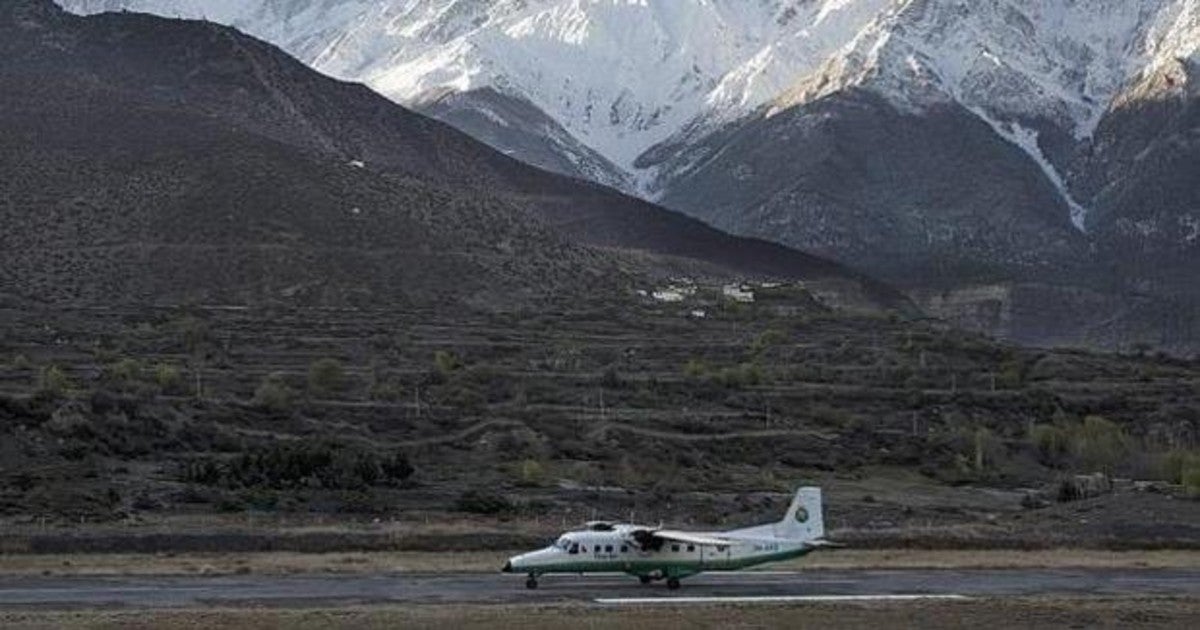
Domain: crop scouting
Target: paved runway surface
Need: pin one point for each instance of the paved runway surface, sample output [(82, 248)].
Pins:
[(485, 589)]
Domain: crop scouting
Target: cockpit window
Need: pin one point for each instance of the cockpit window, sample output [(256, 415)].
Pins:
[(563, 543)]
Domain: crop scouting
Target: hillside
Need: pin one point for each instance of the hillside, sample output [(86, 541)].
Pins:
[(1035, 153), (238, 166)]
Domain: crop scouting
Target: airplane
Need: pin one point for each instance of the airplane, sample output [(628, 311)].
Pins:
[(654, 553)]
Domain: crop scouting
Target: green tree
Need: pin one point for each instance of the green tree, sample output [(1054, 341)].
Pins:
[(1099, 444), (326, 377), (1051, 443), (273, 393)]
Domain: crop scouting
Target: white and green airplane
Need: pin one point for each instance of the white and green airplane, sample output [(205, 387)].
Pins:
[(654, 553)]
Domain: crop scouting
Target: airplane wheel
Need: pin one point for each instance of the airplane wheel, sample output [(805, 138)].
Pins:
[(531, 583), (644, 579), (673, 583)]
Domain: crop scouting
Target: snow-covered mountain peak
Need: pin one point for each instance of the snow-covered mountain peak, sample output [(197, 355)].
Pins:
[(623, 76)]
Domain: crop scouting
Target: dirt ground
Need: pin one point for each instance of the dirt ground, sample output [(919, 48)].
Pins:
[(383, 562), (987, 613)]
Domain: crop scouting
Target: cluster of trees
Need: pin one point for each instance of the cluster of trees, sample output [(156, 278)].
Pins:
[(291, 466)]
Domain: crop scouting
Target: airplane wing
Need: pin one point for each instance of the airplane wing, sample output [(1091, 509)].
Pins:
[(648, 538)]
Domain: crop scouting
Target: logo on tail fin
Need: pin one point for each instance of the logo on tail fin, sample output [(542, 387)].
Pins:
[(801, 515)]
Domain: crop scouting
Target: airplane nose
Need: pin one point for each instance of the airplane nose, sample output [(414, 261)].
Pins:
[(507, 567)]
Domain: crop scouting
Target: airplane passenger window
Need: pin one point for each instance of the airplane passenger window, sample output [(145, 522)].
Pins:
[(574, 549), (624, 548), (674, 547), (691, 547), (607, 548)]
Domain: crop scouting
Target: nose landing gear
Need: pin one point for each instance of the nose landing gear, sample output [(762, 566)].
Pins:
[(673, 583), (531, 583)]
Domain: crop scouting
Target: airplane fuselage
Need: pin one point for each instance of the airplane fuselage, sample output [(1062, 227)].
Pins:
[(609, 552), (655, 553)]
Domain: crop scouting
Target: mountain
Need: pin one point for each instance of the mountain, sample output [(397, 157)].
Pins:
[(155, 160), (939, 144), (618, 76)]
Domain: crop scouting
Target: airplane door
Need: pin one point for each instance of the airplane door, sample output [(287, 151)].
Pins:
[(712, 556)]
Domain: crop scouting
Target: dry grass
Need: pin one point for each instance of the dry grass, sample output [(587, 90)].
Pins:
[(999, 613), (279, 563)]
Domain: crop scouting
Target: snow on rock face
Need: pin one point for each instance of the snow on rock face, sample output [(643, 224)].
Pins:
[(625, 75), (621, 75)]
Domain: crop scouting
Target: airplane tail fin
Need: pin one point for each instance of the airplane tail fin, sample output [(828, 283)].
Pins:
[(805, 518)]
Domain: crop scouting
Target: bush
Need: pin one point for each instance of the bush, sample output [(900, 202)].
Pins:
[(53, 382), (695, 369), (1011, 376), (273, 393), (326, 377), (530, 473), (445, 362), (744, 375), (283, 466), (168, 378), (767, 340), (987, 449), (1051, 443), (1177, 463), (1191, 481), (1099, 444), (125, 373)]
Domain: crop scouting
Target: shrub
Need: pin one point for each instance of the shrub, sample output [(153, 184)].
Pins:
[(53, 382), (168, 377), (445, 362), (283, 466), (326, 377), (1099, 444), (193, 333), (695, 368), (124, 373), (610, 379), (1051, 443), (1177, 463), (987, 449), (1191, 480), (768, 339), (744, 375), (530, 473), (273, 393), (1011, 375)]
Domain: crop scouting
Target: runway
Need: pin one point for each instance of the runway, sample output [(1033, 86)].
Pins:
[(814, 585)]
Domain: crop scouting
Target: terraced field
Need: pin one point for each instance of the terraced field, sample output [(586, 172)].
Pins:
[(919, 431)]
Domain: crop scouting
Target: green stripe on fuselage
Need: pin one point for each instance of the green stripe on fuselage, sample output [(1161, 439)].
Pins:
[(669, 566)]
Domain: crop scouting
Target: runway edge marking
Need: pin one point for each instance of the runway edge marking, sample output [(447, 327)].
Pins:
[(775, 599)]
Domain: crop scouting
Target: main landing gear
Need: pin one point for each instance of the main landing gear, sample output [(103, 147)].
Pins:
[(672, 581), (531, 582)]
